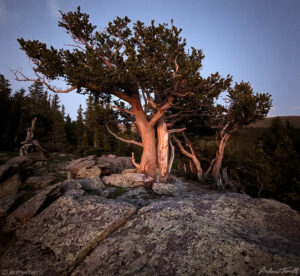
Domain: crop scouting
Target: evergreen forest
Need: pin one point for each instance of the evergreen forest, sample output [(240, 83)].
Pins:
[(260, 161)]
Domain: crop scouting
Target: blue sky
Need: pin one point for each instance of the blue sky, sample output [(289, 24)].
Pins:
[(254, 40)]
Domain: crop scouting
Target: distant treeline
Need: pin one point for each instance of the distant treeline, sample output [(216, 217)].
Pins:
[(55, 130), (264, 162), (294, 121)]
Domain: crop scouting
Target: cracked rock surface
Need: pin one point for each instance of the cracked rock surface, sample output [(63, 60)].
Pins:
[(214, 234), (110, 223), (64, 233)]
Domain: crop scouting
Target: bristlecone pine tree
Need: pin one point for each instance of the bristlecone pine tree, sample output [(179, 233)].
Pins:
[(241, 107), (147, 67)]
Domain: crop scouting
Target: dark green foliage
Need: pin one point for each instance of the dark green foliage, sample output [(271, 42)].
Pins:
[(5, 92), (294, 121), (58, 135), (80, 130), (21, 107), (92, 137), (268, 166), (122, 59), (40, 107), (150, 65), (285, 162), (243, 108), (54, 130)]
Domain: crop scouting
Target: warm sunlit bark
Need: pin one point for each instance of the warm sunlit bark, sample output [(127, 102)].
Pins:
[(219, 157), (148, 164), (193, 157), (163, 150)]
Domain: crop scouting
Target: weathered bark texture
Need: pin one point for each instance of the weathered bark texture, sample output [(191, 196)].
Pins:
[(31, 143), (172, 155), (192, 156), (148, 164), (163, 150), (219, 157)]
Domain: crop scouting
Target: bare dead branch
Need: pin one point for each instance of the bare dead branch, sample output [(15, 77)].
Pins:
[(107, 62), (41, 80), (172, 155), (183, 95), (191, 156), (176, 130), (133, 161), (161, 111), (146, 108), (123, 110), (182, 149), (117, 49), (123, 96), (124, 140), (176, 69), (150, 100), (172, 116), (210, 166), (76, 45), (173, 122)]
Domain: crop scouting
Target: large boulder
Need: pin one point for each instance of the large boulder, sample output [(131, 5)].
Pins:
[(88, 172), (215, 234), (82, 163), (13, 165), (10, 186), (28, 209), (57, 239), (71, 187), (132, 193), (110, 165), (128, 180), (40, 182), (171, 189), (6, 203), (70, 184), (136, 196), (112, 192), (129, 171), (106, 164), (93, 183)]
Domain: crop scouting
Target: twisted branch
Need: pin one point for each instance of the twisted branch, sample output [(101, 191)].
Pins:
[(122, 139)]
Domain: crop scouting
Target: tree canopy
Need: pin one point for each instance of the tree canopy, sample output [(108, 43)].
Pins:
[(151, 70)]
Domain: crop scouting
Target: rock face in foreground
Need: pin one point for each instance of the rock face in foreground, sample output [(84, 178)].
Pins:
[(107, 165), (90, 225), (128, 180), (214, 234), (12, 166), (59, 237), (27, 210), (171, 189)]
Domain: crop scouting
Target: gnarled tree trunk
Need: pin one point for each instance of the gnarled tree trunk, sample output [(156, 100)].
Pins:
[(192, 156), (163, 150), (155, 161), (148, 164), (31, 143), (219, 158)]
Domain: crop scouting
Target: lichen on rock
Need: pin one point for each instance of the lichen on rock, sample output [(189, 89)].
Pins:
[(70, 227), (214, 234)]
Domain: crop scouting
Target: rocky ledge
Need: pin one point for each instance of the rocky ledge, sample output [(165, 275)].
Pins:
[(96, 224)]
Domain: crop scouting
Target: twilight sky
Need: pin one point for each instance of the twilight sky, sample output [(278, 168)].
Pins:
[(253, 40)]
